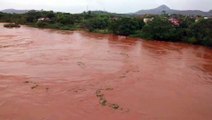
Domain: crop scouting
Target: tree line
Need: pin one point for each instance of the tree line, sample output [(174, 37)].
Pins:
[(160, 28)]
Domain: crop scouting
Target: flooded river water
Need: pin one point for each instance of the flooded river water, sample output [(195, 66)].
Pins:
[(63, 75)]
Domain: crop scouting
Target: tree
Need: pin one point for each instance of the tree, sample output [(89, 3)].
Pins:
[(50, 14), (1, 15), (99, 22), (125, 26), (160, 29), (201, 32), (32, 16)]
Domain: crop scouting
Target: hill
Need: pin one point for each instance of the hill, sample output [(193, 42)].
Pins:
[(163, 8), (14, 11)]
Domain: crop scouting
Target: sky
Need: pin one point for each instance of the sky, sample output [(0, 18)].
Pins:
[(117, 6)]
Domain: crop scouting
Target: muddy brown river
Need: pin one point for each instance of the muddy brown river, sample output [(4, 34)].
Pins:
[(63, 75)]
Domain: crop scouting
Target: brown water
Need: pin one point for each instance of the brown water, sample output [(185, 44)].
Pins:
[(61, 75)]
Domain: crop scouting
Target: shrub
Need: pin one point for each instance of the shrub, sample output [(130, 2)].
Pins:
[(41, 24), (192, 40)]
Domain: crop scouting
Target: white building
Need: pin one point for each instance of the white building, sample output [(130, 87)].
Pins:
[(146, 20)]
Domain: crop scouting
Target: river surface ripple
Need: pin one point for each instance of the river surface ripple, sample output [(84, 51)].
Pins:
[(63, 75)]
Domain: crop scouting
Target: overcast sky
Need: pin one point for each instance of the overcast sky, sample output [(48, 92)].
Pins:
[(118, 6)]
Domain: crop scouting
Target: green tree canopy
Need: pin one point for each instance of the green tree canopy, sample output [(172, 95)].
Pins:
[(125, 26), (160, 29)]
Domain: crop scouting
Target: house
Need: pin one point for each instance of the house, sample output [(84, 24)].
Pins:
[(174, 21), (206, 18), (44, 19), (146, 20), (198, 18), (115, 18)]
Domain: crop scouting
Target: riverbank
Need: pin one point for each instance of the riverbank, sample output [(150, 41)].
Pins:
[(54, 27), (160, 27), (106, 31)]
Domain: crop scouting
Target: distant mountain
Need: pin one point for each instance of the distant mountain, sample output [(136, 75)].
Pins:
[(163, 8), (100, 12), (14, 11), (156, 11)]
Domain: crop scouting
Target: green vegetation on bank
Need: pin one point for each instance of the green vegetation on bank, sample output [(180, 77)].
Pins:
[(159, 28)]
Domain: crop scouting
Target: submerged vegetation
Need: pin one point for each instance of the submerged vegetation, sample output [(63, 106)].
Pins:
[(12, 25), (158, 27)]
